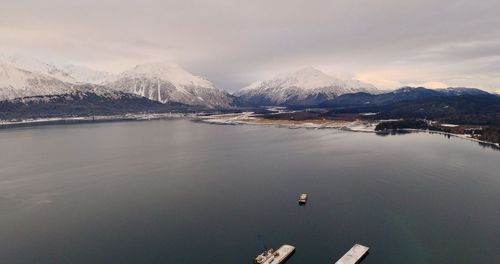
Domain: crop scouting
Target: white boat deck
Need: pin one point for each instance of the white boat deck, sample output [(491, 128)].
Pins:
[(354, 255), (303, 198)]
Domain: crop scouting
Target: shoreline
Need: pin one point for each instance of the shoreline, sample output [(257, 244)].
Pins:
[(248, 118), (4, 124), (245, 118), (461, 136), (354, 126)]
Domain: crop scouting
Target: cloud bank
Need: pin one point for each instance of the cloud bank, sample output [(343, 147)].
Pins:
[(389, 43)]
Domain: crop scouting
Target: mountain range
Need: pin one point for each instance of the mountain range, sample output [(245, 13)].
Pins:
[(367, 100), (85, 100), (457, 104), (16, 82), (163, 82), (30, 83), (169, 83)]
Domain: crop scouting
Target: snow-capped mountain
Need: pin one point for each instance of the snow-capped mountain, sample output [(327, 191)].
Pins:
[(307, 86), (86, 99), (16, 82), (37, 66), (67, 73), (167, 82), (164, 82), (19, 83)]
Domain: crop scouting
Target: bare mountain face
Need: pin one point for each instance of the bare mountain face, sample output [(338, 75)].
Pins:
[(166, 82), (307, 86)]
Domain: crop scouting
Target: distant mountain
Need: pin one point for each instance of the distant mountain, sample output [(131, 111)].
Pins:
[(85, 100), (37, 66), (16, 82), (167, 82), (307, 86), (460, 108), (163, 82), (68, 73), (462, 91), (372, 101)]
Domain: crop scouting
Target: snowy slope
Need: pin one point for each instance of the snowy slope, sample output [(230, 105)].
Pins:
[(67, 73), (167, 82), (85, 100), (37, 66), (307, 86), (16, 82)]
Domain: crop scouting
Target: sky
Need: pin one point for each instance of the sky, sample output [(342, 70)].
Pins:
[(389, 43)]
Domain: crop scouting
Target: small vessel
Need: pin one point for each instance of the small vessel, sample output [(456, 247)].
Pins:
[(303, 198), (275, 256)]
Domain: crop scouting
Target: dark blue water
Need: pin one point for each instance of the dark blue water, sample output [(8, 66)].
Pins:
[(183, 192)]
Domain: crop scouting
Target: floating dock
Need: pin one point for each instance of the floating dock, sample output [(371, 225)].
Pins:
[(354, 256), (275, 257), (303, 198)]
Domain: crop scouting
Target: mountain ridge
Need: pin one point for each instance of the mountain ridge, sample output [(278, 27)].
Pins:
[(167, 82), (86, 100), (366, 100), (16, 82)]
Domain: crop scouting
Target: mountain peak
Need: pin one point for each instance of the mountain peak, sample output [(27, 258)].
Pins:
[(168, 71), (168, 82), (306, 78)]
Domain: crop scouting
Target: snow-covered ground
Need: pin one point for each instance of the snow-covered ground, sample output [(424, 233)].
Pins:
[(448, 125)]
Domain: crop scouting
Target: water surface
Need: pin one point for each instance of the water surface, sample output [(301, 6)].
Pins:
[(183, 192)]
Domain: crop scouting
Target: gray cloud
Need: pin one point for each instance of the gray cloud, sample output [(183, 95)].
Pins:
[(386, 42)]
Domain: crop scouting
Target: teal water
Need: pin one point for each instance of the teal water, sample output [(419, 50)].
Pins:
[(184, 192)]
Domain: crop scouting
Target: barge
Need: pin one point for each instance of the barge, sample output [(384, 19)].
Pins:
[(279, 256), (354, 256)]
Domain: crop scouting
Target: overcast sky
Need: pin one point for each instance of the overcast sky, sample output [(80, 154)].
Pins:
[(389, 43)]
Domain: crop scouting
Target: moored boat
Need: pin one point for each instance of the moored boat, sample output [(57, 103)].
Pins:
[(303, 198), (275, 256)]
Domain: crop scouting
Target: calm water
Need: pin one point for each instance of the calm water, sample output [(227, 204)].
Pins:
[(183, 192)]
